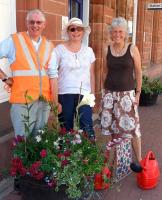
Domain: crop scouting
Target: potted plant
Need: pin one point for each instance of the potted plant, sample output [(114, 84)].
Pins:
[(151, 88), (55, 163)]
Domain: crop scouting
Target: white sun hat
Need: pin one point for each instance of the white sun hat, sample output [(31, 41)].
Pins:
[(77, 22)]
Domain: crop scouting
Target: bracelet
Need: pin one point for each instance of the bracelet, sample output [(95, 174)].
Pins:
[(138, 91)]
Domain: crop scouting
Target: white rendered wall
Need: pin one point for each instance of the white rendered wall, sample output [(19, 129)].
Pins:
[(7, 26)]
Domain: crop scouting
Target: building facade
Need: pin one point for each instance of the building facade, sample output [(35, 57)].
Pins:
[(145, 31)]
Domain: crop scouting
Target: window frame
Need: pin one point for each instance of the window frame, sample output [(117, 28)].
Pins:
[(78, 3)]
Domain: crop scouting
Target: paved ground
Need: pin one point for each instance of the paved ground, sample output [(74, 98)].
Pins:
[(127, 189)]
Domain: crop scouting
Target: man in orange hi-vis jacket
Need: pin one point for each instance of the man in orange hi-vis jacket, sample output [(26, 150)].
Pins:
[(28, 54)]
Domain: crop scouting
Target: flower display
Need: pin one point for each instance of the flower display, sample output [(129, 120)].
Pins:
[(58, 157)]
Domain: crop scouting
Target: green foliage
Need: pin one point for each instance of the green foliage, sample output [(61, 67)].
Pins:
[(151, 86), (60, 158)]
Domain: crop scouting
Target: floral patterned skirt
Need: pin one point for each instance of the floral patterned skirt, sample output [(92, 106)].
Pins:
[(119, 116)]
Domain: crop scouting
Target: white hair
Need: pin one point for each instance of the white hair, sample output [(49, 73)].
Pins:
[(36, 11), (119, 22)]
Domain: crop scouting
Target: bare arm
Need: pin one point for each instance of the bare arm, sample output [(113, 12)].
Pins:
[(138, 71), (54, 92), (105, 68), (2, 75)]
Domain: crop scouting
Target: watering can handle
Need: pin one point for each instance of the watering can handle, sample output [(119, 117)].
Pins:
[(149, 155)]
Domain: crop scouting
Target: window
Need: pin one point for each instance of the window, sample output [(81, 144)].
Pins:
[(76, 8), (124, 8)]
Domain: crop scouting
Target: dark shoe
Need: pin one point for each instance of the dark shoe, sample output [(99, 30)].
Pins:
[(136, 167)]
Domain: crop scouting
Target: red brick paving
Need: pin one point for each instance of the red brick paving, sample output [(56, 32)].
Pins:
[(127, 189)]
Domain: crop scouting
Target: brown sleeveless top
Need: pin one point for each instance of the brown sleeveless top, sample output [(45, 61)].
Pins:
[(120, 75)]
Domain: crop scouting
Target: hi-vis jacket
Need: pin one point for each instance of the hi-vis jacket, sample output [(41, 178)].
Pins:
[(29, 69)]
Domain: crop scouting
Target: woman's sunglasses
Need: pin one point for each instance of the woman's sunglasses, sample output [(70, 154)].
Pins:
[(76, 29)]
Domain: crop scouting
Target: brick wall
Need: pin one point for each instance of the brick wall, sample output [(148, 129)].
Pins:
[(149, 31), (101, 14), (54, 10)]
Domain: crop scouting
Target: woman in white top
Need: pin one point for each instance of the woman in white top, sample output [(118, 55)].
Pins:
[(75, 63)]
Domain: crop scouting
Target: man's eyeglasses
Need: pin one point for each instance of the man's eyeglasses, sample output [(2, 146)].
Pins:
[(32, 22), (76, 29)]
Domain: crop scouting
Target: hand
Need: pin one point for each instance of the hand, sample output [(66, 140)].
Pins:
[(9, 82), (137, 98), (59, 108)]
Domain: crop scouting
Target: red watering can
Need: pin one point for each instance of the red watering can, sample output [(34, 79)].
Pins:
[(99, 182), (149, 177)]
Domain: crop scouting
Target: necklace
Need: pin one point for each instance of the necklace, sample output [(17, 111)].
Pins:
[(119, 51)]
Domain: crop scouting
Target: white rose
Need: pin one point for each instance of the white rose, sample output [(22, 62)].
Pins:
[(38, 138)]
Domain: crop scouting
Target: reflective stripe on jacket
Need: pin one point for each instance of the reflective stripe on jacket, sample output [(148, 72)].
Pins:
[(29, 69)]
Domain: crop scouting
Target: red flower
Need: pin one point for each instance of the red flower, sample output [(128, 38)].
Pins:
[(39, 176), (60, 155), (67, 141), (63, 131), (64, 163), (34, 169), (17, 163), (37, 164), (67, 153), (43, 153), (19, 138), (13, 171), (23, 171)]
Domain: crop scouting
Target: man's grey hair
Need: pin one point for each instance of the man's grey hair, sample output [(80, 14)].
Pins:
[(36, 11)]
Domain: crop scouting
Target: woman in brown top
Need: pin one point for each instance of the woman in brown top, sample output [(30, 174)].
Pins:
[(123, 74)]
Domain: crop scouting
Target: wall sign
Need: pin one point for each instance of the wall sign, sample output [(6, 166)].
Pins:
[(154, 6)]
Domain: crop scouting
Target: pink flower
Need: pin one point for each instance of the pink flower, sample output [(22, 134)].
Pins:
[(52, 183), (43, 153)]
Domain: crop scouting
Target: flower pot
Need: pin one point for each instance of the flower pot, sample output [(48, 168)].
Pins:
[(148, 99), (39, 190)]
